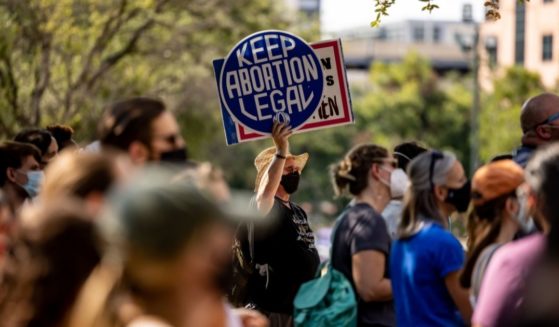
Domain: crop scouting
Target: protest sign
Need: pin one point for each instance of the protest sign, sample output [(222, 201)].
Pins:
[(333, 109)]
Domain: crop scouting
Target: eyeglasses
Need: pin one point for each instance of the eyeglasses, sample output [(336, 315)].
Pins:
[(435, 155), (391, 162), (548, 120)]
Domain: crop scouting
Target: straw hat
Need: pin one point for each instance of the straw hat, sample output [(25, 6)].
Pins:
[(264, 159)]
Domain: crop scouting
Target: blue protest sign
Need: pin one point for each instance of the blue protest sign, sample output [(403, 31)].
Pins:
[(271, 75)]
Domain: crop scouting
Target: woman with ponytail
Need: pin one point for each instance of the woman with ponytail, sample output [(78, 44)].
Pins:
[(496, 216), (361, 243)]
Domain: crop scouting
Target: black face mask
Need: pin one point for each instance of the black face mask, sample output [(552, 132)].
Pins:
[(175, 156), (290, 182), (459, 197)]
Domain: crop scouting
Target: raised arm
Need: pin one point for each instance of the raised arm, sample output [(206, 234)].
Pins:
[(272, 178)]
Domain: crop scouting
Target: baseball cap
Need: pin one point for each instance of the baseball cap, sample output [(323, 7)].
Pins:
[(496, 179)]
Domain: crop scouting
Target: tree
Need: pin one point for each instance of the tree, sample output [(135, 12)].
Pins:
[(408, 101), (64, 60), (382, 7)]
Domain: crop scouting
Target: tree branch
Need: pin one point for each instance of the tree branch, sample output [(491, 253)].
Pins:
[(42, 79), (101, 43), (128, 48)]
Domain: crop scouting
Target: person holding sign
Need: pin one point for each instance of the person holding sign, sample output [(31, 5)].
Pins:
[(284, 254)]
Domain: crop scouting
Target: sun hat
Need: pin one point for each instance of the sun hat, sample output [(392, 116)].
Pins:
[(264, 160), (496, 179)]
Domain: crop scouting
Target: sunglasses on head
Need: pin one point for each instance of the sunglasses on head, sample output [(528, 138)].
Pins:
[(548, 120)]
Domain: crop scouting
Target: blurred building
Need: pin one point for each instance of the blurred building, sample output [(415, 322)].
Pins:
[(526, 35), (447, 44), (311, 8), (307, 11)]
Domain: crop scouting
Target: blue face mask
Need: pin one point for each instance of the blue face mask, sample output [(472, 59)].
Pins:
[(34, 180)]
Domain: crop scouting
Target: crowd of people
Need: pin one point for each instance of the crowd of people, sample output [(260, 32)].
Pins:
[(130, 231)]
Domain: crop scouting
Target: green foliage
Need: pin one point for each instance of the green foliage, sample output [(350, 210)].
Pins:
[(407, 101), (64, 60), (500, 130)]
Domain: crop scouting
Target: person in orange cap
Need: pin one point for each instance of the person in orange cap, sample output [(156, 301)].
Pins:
[(496, 216), (283, 253)]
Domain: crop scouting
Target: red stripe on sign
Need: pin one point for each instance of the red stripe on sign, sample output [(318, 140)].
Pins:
[(244, 135), (343, 86)]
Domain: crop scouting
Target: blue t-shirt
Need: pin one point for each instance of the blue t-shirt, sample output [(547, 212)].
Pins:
[(418, 267)]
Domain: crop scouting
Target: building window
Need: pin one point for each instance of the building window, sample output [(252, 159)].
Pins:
[(519, 29), (437, 34), (547, 48), (418, 34), (491, 48)]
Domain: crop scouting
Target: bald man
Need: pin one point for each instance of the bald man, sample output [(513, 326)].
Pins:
[(540, 125)]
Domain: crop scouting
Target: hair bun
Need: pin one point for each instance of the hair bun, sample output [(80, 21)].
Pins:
[(344, 169)]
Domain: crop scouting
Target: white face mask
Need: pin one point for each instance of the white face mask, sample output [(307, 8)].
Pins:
[(399, 183), (522, 216)]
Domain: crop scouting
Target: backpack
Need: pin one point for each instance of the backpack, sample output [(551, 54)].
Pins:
[(328, 300), (243, 268), (243, 264)]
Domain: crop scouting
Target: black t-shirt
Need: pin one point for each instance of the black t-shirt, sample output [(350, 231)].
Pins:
[(361, 228), (288, 251)]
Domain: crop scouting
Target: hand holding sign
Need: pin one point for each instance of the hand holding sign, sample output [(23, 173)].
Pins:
[(280, 135)]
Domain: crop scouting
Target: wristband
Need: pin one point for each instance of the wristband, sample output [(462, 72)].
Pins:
[(279, 156)]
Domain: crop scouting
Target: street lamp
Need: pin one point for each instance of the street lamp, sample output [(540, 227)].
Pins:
[(467, 45)]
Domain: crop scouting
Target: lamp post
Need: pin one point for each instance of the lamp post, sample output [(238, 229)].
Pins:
[(467, 45), (474, 114)]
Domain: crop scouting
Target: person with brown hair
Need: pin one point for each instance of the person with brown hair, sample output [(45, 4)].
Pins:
[(505, 281), (496, 216), (43, 140), (361, 243), (144, 129), (63, 136), (399, 183), (283, 253), (53, 252), (88, 176), (20, 172)]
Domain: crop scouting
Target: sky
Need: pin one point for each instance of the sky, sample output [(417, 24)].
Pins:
[(343, 14)]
